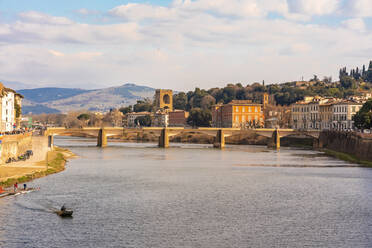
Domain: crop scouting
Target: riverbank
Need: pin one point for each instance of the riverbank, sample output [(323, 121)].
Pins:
[(347, 157), (41, 164), (349, 146)]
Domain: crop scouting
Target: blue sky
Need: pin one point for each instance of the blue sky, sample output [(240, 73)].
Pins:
[(67, 7), (180, 44)]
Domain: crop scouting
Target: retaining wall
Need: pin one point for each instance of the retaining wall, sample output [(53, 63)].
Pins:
[(13, 146), (357, 144)]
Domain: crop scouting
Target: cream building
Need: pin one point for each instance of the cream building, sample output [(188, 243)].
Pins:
[(343, 113), (10, 101), (7, 109), (324, 113)]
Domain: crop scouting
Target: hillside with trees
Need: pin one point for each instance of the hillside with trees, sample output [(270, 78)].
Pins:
[(199, 101)]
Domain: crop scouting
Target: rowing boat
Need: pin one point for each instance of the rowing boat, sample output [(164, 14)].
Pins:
[(65, 213)]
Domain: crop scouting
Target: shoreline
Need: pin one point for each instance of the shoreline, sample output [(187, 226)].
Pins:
[(347, 157), (54, 162)]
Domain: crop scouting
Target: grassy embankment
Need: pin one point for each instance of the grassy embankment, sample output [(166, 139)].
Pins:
[(55, 162), (347, 157)]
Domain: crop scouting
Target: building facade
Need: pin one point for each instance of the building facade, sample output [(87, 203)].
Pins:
[(343, 113), (160, 119), (8, 113), (178, 118), (238, 114), (131, 117), (324, 113)]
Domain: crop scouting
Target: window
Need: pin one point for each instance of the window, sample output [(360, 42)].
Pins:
[(236, 109), (243, 109), (243, 118), (249, 109), (237, 118), (256, 109)]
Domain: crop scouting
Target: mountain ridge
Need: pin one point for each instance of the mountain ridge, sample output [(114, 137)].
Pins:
[(62, 100)]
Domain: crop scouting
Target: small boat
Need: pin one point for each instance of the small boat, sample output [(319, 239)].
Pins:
[(65, 213)]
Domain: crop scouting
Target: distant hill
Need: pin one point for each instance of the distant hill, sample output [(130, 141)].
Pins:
[(39, 109), (40, 95), (52, 100)]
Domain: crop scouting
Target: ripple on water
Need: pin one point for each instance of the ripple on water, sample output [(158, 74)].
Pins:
[(137, 195)]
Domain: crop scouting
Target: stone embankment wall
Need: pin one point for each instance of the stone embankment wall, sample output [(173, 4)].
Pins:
[(13, 146), (357, 144)]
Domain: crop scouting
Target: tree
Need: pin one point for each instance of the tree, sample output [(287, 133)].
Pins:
[(83, 117), (315, 78), (17, 109), (126, 110), (143, 106), (327, 80), (200, 117), (144, 121), (363, 119), (368, 77), (180, 101), (347, 82), (207, 102)]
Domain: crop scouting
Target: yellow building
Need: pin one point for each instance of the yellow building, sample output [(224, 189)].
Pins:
[(238, 114)]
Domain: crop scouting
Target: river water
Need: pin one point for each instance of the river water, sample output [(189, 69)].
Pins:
[(138, 195)]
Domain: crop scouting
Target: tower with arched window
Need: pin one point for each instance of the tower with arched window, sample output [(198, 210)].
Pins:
[(164, 99)]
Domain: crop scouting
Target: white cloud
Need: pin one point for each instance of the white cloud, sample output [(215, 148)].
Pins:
[(356, 24), (22, 31), (187, 44), (358, 8), (37, 17), (134, 11), (246, 8), (313, 7), (56, 53), (179, 8)]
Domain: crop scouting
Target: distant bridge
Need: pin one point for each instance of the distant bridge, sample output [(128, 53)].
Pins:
[(164, 133)]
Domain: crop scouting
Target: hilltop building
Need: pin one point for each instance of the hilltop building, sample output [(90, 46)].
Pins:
[(324, 113)]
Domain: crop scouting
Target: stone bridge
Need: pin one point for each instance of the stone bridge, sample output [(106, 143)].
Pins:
[(164, 134)]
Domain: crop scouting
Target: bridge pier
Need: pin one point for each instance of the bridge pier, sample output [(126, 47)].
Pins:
[(164, 138), (275, 140), (50, 141), (317, 143), (102, 138), (220, 140)]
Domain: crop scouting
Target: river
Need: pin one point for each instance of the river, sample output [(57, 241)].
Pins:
[(138, 195)]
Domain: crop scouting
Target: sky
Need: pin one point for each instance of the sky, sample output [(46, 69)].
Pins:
[(180, 44)]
